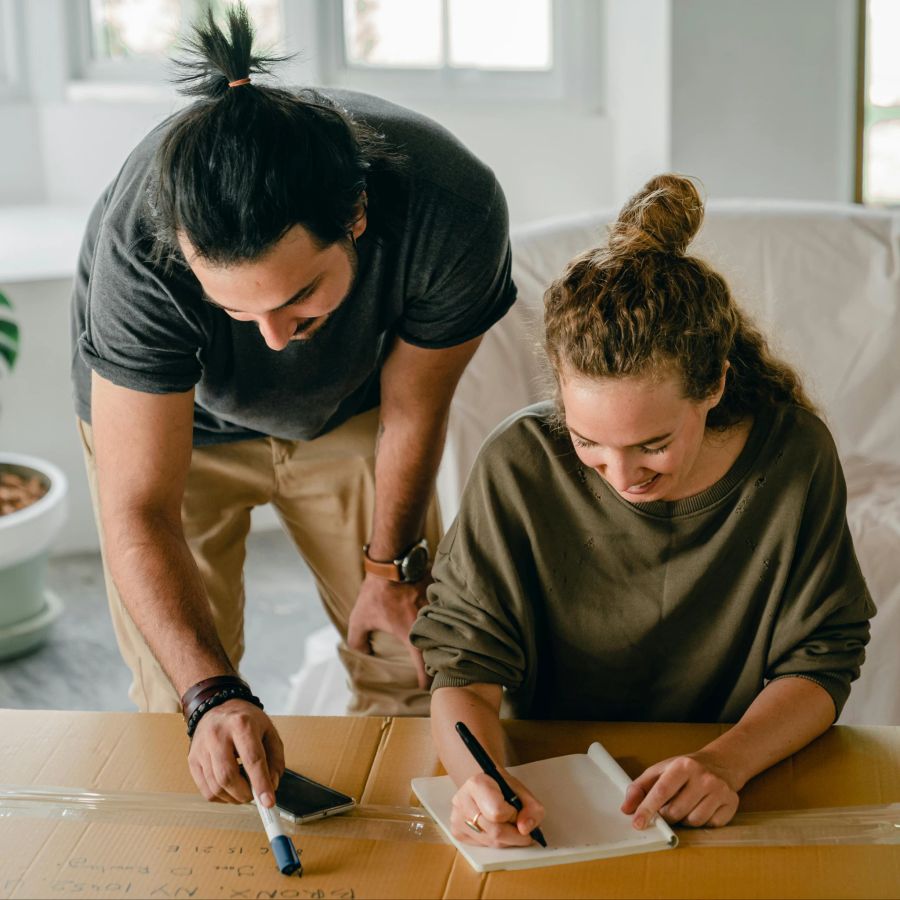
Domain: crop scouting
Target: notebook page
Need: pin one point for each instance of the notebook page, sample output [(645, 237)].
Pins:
[(582, 821)]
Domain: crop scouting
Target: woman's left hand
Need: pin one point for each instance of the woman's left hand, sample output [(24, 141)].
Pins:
[(691, 789)]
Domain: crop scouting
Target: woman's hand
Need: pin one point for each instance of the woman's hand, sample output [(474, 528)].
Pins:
[(691, 789), (497, 823)]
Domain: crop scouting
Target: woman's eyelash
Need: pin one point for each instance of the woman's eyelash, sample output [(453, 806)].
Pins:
[(582, 443)]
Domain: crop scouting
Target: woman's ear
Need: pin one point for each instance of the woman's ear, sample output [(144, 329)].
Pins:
[(720, 390)]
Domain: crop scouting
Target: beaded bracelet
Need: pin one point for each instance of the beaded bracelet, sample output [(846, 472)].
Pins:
[(217, 699)]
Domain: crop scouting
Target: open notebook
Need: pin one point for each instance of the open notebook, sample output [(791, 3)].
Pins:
[(581, 794)]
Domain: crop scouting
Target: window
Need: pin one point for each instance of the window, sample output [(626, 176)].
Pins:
[(123, 29), (881, 104), (469, 49), (133, 28), (513, 35), (11, 40), (132, 40), (464, 49)]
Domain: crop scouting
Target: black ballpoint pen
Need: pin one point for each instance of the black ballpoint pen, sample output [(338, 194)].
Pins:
[(488, 767)]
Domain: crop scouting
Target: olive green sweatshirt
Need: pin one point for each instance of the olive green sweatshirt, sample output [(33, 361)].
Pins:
[(583, 605)]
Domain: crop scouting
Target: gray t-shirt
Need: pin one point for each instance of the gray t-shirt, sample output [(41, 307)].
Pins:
[(440, 280)]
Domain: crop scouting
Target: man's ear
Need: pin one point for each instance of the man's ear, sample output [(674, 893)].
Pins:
[(359, 223)]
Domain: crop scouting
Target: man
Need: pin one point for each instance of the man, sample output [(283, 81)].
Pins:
[(273, 306)]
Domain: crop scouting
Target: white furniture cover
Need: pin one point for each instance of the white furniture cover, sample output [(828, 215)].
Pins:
[(824, 283)]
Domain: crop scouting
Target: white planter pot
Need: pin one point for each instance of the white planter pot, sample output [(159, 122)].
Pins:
[(27, 609)]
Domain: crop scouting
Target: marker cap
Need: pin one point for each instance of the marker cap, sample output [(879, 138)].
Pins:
[(286, 857)]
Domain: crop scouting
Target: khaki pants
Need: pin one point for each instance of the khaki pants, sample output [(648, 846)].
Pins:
[(323, 491)]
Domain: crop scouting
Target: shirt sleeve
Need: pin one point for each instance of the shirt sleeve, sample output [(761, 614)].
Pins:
[(478, 626), (140, 331), (822, 626), (472, 288)]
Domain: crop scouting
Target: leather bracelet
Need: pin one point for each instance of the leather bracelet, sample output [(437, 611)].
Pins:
[(194, 695), (217, 699)]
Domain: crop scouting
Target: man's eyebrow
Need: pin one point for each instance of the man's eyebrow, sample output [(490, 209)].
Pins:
[(301, 295), (653, 440)]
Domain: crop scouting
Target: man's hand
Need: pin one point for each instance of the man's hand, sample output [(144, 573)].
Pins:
[(236, 729), (389, 606), (693, 789)]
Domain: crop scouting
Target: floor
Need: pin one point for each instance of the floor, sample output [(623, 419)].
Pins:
[(79, 667)]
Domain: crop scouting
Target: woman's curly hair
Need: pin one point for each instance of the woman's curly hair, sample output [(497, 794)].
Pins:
[(640, 305)]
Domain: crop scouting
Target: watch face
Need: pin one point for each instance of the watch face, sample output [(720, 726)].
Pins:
[(415, 564)]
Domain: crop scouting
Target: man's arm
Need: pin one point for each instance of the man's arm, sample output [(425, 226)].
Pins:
[(417, 386), (142, 446)]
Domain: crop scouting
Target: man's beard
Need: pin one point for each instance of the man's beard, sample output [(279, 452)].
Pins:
[(299, 335)]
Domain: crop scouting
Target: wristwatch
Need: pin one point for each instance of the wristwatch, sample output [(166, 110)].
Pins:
[(409, 567)]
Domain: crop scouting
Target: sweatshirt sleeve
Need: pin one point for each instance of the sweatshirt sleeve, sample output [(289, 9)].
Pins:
[(478, 626), (822, 626)]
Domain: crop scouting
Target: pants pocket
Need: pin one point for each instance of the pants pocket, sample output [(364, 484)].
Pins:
[(383, 687)]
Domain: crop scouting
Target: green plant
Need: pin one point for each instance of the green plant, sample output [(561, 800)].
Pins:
[(9, 336)]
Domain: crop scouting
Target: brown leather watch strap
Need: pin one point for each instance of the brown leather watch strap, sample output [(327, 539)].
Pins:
[(389, 570)]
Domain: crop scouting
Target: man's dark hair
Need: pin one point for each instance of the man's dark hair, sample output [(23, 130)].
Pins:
[(242, 165)]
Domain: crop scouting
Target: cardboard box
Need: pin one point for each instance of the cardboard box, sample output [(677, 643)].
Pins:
[(374, 760), (128, 752), (845, 767)]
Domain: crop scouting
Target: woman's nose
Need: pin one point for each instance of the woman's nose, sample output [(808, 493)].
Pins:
[(619, 472)]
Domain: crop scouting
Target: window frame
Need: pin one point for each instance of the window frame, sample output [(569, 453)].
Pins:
[(13, 74), (87, 69), (576, 75), (867, 114)]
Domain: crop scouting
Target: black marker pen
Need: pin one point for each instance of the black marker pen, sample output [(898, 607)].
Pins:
[(488, 767)]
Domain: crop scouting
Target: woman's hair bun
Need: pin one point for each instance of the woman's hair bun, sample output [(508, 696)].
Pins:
[(662, 217)]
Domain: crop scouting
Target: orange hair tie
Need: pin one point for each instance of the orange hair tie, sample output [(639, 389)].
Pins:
[(239, 82)]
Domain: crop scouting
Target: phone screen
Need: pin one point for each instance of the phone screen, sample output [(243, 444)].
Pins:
[(301, 798)]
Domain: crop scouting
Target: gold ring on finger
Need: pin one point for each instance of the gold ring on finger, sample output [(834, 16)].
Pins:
[(473, 823)]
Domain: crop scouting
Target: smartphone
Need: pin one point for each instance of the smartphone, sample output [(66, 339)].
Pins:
[(301, 799)]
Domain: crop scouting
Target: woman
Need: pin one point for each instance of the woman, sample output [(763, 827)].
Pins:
[(665, 542)]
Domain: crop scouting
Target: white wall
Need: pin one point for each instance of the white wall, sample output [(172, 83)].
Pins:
[(550, 159), (638, 96), (86, 142), (763, 96), (21, 154)]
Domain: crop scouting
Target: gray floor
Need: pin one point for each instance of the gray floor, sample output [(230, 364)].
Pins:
[(79, 667)]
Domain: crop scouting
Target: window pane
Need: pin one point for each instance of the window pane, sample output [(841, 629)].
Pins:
[(124, 28), (129, 28), (265, 16), (395, 33), (501, 34), (884, 56), (7, 43), (882, 158)]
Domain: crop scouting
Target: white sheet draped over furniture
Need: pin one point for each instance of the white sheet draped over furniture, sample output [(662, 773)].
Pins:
[(824, 283)]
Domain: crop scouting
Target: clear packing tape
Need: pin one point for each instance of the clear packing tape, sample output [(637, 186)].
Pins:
[(874, 824)]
